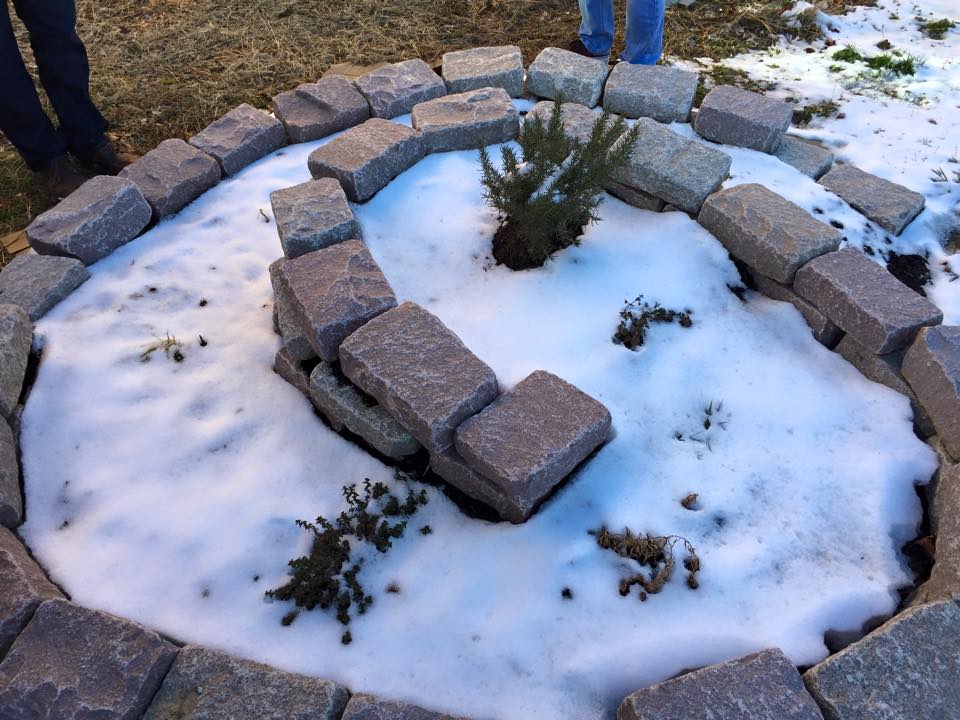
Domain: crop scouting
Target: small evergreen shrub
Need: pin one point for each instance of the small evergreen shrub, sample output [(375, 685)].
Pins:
[(552, 190), (637, 316)]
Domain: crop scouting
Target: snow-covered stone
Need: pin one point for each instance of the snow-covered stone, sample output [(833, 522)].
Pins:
[(454, 469), (11, 501), (368, 707), (210, 685), (394, 89), (677, 170), (287, 366), (467, 120), (864, 300), (92, 221), (632, 196), (499, 67), (661, 92), (760, 686), (344, 405), (315, 110), (769, 233), (367, 157), (72, 663), (907, 668), (932, 367), (419, 371), (240, 137), (889, 205), (38, 282), (533, 436), (287, 325), (823, 330), (313, 215), (739, 117), (578, 120), (172, 175), (16, 337), (809, 158), (944, 581), (334, 291), (23, 587), (556, 72)]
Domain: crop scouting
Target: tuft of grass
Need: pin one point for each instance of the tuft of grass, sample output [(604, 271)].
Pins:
[(637, 316), (172, 349), (895, 62), (655, 553), (825, 108), (848, 54), (936, 29), (720, 74)]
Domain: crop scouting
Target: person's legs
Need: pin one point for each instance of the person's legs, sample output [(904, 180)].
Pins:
[(596, 26), (644, 32)]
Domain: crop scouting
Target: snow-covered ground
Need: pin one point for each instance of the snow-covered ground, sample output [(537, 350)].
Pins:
[(166, 492)]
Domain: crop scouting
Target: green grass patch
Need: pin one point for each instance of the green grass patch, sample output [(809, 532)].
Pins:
[(936, 29), (824, 108)]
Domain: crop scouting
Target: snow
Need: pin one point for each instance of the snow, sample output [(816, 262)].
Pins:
[(160, 490)]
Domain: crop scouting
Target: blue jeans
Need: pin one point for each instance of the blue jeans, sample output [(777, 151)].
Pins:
[(644, 29), (64, 72)]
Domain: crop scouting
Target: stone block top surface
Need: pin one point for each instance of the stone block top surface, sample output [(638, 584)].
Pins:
[(16, 338), (172, 175), (578, 120), (38, 282), (556, 72), (661, 92), (739, 117), (11, 501), (467, 120), (368, 707), (807, 157), (313, 215), (240, 137), (23, 587), (500, 66), (315, 110), (889, 205), (932, 367), (394, 89)]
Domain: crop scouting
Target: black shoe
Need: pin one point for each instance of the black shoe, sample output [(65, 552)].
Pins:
[(61, 177), (579, 48), (105, 160)]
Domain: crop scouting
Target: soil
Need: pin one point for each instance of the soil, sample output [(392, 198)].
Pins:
[(912, 270), (509, 248)]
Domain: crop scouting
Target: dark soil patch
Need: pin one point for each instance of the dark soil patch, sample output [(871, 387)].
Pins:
[(510, 249), (912, 270)]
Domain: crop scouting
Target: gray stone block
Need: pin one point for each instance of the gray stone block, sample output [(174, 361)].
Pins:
[(889, 205), (172, 175), (825, 332), (637, 198), (286, 324), (677, 170), (11, 500), (907, 668), (420, 371), (205, 684), (313, 215), (932, 367), (394, 89), (240, 137), (368, 707), (559, 73), (739, 117), (660, 92), (467, 120), (287, 366), (864, 300), (94, 220), (344, 405), (761, 686), (944, 582), (315, 110), (454, 469), (533, 436), (23, 587), (807, 157), (578, 120), (38, 282), (769, 233), (498, 67), (333, 292), (72, 663), (365, 158), (16, 338)]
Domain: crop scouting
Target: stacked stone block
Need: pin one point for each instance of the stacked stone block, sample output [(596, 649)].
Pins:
[(734, 116), (557, 73), (312, 216), (467, 120), (315, 110), (240, 137), (889, 205), (497, 67), (660, 92), (173, 175), (395, 89)]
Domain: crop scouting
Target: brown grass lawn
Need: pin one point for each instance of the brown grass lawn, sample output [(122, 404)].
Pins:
[(166, 68)]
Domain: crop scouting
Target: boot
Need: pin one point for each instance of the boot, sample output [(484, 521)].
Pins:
[(104, 159), (61, 177)]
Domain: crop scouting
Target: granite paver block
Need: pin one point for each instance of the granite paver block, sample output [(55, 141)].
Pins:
[(286, 323), (368, 707), (739, 117), (825, 332), (420, 371), (632, 196), (240, 137), (287, 366), (677, 170), (454, 469), (578, 120), (38, 282), (809, 158), (760, 686), (344, 405), (205, 684), (16, 338), (315, 110), (865, 300), (499, 67), (661, 92), (11, 500), (907, 668), (533, 436), (367, 157), (333, 292), (932, 367), (556, 72), (467, 120), (172, 175), (394, 89), (769, 233), (71, 663), (313, 215), (944, 581), (889, 205), (23, 587), (101, 215)]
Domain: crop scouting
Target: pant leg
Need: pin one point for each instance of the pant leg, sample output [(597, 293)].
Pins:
[(644, 32), (64, 70), (596, 25), (22, 118)]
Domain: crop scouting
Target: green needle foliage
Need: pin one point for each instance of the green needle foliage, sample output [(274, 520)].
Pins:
[(552, 190)]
